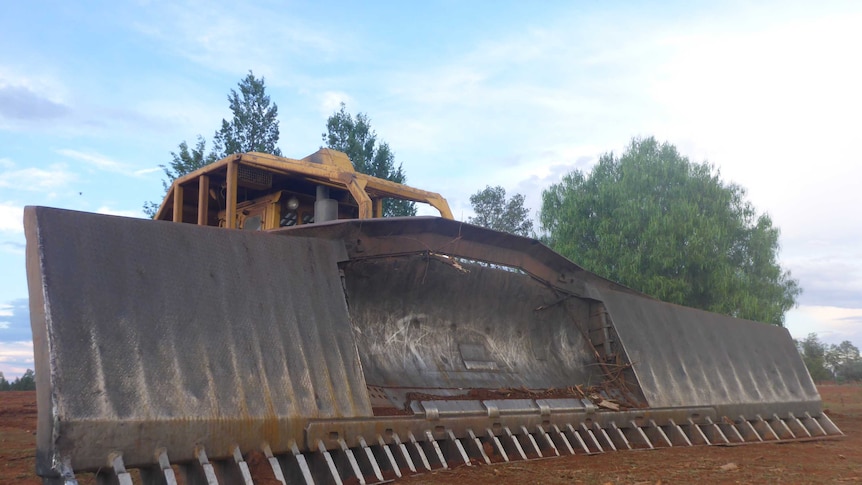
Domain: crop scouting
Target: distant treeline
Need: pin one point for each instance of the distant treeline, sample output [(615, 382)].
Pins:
[(27, 382), (830, 362)]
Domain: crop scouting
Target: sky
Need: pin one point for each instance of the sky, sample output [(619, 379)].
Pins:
[(95, 95)]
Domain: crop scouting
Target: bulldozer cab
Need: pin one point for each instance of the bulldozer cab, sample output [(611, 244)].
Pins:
[(257, 191)]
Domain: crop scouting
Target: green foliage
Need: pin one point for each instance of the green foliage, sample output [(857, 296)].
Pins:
[(852, 371), (26, 382), (495, 212), (813, 353), (656, 222), (254, 127), (183, 162), (187, 160), (840, 362), (355, 137), (844, 361)]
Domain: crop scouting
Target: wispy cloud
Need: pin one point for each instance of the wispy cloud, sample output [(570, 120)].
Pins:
[(102, 162), (228, 38), (15, 317), (832, 324), (145, 171), (13, 247), (36, 179), (94, 159)]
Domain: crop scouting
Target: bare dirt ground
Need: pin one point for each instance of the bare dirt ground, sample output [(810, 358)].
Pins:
[(828, 461)]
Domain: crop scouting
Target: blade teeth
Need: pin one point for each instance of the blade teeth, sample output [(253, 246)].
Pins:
[(359, 462)]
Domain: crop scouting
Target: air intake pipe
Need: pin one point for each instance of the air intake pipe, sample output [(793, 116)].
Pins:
[(325, 209)]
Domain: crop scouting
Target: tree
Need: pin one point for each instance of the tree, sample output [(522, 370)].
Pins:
[(813, 353), (656, 222), (26, 382), (183, 162), (852, 371), (495, 212), (254, 127), (844, 361), (355, 137), (4, 384)]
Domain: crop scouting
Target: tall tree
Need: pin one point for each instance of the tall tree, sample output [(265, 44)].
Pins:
[(356, 138), (654, 221), (495, 212), (254, 127)]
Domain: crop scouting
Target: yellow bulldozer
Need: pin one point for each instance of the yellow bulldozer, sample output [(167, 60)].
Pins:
[(270, 310)]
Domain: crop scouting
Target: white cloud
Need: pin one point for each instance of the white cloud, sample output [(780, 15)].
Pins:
[(776, 107), (831, 324), (119, 212), (331, 101), (11, 220), (145, 171)]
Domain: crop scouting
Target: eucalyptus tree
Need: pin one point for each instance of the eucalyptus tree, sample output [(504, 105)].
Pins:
[(659, 223)]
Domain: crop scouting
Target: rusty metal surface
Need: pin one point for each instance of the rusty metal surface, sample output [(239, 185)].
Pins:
[(422, 324), (155, 334), (688, 357), (408, 235)]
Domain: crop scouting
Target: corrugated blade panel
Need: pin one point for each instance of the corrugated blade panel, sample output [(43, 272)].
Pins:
[(688, 357), (187, 334)]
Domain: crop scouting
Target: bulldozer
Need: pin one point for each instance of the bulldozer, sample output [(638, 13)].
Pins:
[(270, 311)]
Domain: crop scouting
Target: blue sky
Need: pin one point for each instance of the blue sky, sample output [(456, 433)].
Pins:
[(95, 95)]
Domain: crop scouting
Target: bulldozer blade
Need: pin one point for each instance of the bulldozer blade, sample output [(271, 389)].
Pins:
[(363, 351)]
